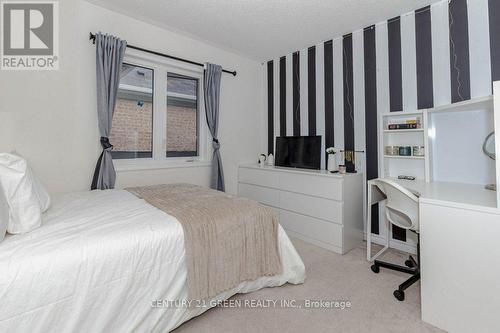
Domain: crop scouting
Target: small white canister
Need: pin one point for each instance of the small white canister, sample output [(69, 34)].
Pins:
[(270, 160), (418, 151), (332, 163), (388, 150)]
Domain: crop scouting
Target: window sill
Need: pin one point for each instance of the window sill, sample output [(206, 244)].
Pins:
[(124, 166)]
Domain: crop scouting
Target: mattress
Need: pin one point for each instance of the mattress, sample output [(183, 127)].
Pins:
[(106, 261)]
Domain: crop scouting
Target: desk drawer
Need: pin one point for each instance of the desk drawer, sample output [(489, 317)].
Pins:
[(320, 208), (310, 227), (264, 195), (325, 187), (258, 177)]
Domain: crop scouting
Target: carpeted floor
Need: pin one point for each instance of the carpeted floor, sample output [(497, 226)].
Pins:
[(329, 277)]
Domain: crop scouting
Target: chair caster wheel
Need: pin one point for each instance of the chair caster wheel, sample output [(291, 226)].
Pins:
[(399, 294), (409, 263), (375, 268)]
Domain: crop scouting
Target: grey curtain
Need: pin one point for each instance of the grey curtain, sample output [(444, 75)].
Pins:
[(109, 58), (211, 88)]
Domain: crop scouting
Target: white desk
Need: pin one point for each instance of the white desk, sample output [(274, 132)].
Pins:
[(459, 251), (462, 194), (457, 195)]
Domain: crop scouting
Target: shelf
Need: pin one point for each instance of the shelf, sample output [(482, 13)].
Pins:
[(402, 113), (404, 130), (469, 105), (405, 157)]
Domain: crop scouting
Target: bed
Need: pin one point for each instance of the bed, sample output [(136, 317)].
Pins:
[(107, 261)]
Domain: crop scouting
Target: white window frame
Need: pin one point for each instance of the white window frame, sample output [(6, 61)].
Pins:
[(161, 67)]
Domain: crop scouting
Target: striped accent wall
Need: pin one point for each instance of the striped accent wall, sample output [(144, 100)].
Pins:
[(440, 54)]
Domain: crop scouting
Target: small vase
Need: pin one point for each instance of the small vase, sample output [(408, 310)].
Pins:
[(332, 163), (270, 160), (262, 160)]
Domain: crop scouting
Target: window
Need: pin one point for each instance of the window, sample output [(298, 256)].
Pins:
[(132, 129), (157, 120), (182, 116)]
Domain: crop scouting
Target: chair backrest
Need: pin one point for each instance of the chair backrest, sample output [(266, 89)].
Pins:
[(401, 205)]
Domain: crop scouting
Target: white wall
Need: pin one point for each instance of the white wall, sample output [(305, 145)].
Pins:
[(50, 117)]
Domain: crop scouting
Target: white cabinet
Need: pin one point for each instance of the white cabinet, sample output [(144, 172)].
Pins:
[(459, 247), (318, 207)]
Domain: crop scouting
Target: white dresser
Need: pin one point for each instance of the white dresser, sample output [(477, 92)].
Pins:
[(316, 206)]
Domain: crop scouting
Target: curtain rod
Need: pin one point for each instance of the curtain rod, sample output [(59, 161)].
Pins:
[(92, 38)]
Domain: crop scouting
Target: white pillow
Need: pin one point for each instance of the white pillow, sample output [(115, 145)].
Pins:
[(25, 196), (41, 192)]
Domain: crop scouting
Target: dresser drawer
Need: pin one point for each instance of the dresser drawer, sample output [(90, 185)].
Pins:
[(258, 177), (320, 208), (326, 232), (325, 187), (264, 195)]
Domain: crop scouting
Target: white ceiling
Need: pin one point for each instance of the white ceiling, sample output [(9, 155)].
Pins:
[(263, 29)]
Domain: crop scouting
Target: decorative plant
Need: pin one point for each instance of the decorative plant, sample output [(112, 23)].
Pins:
[(331, 150)]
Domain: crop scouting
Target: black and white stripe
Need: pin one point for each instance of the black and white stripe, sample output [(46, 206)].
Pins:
[(395, 71), (311, 90), (270, 107), (348, 96), (371, 116), (296, 93), (395, 85), (494, 34), (437, 55), (409, 61), (320, 98), (328, 67), (459, 51), (283, 99), (423, 50), (304, 92), (479, 47)]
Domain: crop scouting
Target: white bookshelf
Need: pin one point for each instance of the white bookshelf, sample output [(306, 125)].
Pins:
[(396, 165), (452, 138)]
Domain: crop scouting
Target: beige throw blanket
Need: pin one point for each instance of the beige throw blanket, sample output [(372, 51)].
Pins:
[(228, 239)]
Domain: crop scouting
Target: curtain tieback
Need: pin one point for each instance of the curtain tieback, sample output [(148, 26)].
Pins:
[(215, 143), (105, 143)]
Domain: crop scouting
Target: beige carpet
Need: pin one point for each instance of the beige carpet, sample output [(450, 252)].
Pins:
[(329, 277)]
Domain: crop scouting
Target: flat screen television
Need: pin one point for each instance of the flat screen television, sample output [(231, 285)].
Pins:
[(298, 152)]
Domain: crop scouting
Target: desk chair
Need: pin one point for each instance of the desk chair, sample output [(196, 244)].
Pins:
[(402, 211)]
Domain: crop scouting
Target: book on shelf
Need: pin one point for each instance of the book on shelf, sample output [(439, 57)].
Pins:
[(403, 126), (406, 122)]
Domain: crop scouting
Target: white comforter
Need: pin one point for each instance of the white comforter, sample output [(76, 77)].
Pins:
[(101, 262)]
